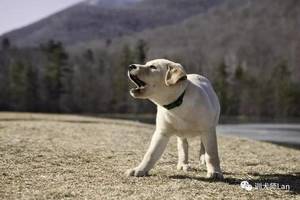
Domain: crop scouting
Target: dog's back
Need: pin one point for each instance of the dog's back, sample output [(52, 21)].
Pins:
[(205, 88)]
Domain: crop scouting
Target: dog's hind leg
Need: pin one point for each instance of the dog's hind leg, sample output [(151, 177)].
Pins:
[(212, 161), (202, 154)]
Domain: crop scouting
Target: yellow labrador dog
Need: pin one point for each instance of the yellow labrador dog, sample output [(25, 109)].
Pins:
[(187, 106)]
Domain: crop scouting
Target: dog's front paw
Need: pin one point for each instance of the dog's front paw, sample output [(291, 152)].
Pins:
[(184, 167), (215, 175), (202, 159), (136, 172)]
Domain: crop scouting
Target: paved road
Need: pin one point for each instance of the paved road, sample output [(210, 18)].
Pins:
[(277, 133)]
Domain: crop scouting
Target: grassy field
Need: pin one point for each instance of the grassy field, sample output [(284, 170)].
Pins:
[(76, 157)]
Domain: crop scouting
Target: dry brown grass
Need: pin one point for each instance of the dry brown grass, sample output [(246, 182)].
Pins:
[(73, 157)]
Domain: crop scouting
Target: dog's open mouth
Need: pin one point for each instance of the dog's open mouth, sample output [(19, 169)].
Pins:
[(140, 85)]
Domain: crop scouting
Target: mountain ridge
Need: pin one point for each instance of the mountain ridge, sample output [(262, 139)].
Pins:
[(82, 22)]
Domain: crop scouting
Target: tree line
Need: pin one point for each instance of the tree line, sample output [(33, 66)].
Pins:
[(49, 78), (273, 95)]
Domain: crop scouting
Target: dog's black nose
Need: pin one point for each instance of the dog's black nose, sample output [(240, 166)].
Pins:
[(132, 67)]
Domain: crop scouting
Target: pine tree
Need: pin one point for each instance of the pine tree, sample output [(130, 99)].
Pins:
[(120, 82), (237, 91), (31, 96), (222, 86), (281, 83), (57, 76), (89, 56), (5, 60), (141, 49), (17, 85), (5, 43)]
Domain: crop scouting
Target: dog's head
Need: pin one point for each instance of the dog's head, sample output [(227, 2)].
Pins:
[(155, 77)]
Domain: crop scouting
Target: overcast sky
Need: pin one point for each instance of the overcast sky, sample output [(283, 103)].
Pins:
[(18, 13)]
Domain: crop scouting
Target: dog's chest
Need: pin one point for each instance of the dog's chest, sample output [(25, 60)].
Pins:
[(186, 124)]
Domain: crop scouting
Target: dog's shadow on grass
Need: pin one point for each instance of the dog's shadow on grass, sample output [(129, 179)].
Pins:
[(291, 182)]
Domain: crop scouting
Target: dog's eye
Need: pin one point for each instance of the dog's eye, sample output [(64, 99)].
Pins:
[(153, 67)]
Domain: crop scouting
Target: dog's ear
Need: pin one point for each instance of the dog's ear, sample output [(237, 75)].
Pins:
[(174, 74)]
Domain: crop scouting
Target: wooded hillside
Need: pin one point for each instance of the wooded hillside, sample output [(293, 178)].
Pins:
[(248, 48)]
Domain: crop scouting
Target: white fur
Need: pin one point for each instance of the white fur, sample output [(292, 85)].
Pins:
[(198, 115)]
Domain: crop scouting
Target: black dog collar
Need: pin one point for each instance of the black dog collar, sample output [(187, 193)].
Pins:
[(175, 103)]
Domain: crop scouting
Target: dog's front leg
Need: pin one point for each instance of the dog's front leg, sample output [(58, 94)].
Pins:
[(183, 154), (157, 146)]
